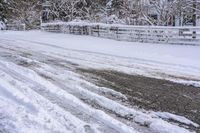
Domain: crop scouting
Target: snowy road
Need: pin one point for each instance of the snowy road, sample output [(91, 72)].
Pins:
[(41, 90)]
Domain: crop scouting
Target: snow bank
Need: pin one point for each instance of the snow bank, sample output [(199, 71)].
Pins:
[(42, 114), (34, 79), (169, 116), (85, 23)]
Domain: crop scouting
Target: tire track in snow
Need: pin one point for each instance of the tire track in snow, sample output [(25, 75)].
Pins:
[(42, 89), (101, 101), (60, 116), (32, 80)]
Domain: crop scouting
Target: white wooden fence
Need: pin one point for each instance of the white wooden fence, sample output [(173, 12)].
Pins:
[(16, 27), (169, 35)]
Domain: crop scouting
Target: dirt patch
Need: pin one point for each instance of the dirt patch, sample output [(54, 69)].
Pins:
[(26, 54), (26, 63), (150, 93)]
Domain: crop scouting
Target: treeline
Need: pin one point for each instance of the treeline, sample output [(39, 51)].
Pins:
[(132, 12), (21, 11)]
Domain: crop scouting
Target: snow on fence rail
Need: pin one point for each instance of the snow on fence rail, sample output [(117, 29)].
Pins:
[(148, 34), (16, 27)]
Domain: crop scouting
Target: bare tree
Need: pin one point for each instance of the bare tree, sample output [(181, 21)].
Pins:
[(24, 11), (134, 12)]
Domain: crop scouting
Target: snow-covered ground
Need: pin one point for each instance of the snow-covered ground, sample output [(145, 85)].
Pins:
[(179, 63), (41, 92)]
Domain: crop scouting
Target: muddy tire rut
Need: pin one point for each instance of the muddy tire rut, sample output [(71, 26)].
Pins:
[(149, 93)]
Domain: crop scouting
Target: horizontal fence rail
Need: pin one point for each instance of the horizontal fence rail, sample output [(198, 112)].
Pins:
[(16, 27), (147, 34)]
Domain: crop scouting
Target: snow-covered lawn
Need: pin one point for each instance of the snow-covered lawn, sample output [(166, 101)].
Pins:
[(40, 91)]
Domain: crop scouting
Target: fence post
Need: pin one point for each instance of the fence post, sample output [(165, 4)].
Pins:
[(117, 31), (194, 18), (98, 30)]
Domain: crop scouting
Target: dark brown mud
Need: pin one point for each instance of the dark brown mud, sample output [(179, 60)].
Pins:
[(151, 94)]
